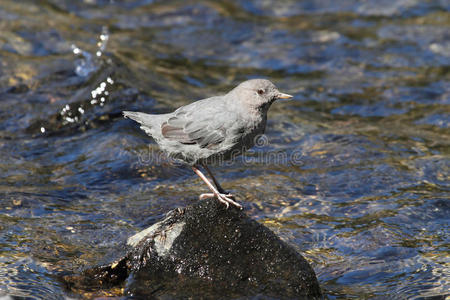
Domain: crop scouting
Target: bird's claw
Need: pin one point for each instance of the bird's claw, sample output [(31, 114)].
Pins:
[(224, 198), (206, 196)]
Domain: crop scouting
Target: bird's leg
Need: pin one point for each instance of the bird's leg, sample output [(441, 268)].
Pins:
[(219, 188), (222, 197), (216, 183)]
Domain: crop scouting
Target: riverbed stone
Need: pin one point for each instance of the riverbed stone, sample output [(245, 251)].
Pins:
[(207, 251)]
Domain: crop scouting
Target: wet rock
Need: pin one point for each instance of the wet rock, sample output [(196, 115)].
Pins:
[(208, 251)]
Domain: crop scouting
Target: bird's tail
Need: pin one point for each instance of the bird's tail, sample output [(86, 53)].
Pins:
[(141, 118), (149, 123)]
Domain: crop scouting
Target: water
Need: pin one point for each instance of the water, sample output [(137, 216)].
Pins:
[(354, 172)]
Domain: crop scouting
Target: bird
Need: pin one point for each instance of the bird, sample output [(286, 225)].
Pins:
[(213, 130)]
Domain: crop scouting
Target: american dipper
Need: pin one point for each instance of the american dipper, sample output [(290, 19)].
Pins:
[(213, 129)]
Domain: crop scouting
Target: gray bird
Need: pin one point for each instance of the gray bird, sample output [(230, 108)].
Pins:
[(213, 129)]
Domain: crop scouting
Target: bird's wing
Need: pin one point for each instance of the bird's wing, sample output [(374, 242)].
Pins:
[(197, 124)]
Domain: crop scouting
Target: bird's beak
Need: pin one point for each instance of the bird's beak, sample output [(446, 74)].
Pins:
[(284, 96)]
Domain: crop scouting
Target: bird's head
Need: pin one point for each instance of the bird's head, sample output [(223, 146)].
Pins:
[(258, 93)]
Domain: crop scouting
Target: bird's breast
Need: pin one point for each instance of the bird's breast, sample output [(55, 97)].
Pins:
[(247, 132)]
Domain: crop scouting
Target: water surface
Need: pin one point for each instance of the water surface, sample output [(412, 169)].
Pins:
[(354, 172)]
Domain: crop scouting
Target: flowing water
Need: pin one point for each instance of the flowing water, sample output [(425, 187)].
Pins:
[(354, 172)]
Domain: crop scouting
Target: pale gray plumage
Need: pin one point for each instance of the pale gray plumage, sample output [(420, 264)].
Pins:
[(213, 129)]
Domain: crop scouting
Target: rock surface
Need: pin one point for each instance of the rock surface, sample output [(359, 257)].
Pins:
[(206, 251)]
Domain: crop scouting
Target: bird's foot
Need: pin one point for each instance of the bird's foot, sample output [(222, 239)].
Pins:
[(206, 196), (226, 199)]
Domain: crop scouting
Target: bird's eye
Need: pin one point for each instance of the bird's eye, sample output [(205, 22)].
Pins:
[(260, 91)]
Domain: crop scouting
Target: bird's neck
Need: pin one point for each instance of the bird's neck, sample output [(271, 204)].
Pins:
[(264, 108), (256, 116)]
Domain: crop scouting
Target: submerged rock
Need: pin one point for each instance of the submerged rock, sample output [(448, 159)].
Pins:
[(208, 251)]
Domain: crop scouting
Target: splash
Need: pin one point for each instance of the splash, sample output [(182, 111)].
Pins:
[(88, 62), (84, 66), (99, 96)]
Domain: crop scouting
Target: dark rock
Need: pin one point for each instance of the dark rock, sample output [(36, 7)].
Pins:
[(206, 251)]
